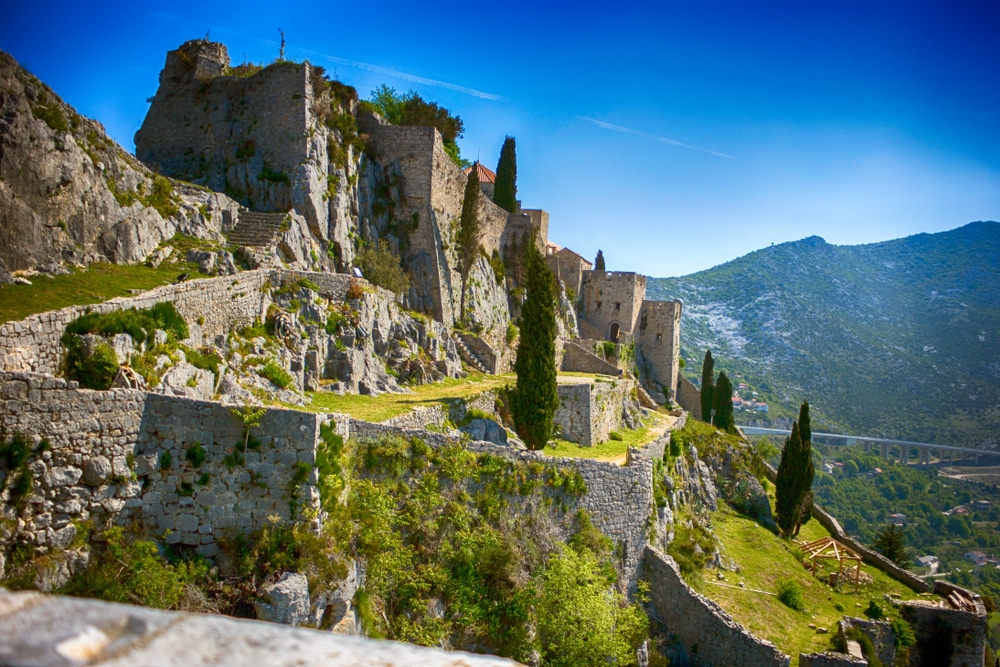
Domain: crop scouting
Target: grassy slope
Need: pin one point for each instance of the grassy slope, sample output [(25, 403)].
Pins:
[(95, 284), (765, 559), (610, 449)]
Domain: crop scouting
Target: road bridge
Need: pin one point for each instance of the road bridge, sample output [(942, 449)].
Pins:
[(903, 448)]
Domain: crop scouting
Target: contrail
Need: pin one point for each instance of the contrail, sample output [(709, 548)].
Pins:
[(654, 137), (343, 61)]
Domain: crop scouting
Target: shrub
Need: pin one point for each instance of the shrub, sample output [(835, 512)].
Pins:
[(614, 435), (790, 594), (134, 571), (275, 373), (195, 454), (166, 460), (96, 371), (355, 290), (381, 266)]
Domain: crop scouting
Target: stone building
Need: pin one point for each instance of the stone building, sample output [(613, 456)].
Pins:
[(568, 267), (614, 308), (487, 179)]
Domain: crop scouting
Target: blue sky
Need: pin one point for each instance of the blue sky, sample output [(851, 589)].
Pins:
[(674, 136)]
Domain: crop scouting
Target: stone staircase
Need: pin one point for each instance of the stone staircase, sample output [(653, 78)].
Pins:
[(469, 357), (588, 330), (257, 230)]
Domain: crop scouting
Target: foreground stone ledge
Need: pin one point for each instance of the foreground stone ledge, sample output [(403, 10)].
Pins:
[(52, 631)]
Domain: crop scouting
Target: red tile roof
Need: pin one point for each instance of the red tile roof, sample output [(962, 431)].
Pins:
[(485, 175)]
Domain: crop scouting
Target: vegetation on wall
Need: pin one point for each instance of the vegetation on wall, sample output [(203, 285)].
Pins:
[(411, 109), (381, 266)]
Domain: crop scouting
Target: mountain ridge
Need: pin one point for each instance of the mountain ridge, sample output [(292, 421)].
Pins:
[(897, 338)]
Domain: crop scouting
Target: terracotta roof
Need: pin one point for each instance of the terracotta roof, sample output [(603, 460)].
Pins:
[(485, 175)]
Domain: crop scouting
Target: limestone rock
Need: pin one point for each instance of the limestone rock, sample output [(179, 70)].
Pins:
[(183, 379), (96, 470), (486, 429), (56, 571), (285, 600)]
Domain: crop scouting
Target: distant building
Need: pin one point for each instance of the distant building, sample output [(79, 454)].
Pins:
[(897, 519), (981, 504), (976, 557), (930, 562), (487, 179)]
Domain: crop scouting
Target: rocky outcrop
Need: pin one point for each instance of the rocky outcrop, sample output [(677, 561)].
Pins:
[(69, 194)]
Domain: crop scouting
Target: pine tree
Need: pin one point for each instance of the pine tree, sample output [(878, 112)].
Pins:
[(505, 189), (786, 502), (722, 400), (707, 387), (891, 544), (535, 399), (468, 232), (599, 261)]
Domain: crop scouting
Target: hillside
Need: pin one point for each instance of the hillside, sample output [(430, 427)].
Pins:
[(893, 339)]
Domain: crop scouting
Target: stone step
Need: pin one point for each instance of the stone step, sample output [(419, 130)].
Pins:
[(257, 229), (469, 357)]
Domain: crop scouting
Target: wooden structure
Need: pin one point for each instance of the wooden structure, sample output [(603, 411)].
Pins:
[(827, 548)]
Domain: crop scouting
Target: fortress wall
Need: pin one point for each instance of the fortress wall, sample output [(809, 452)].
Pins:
[(688, 396), (947, 636), (105, 456), (705, 631), (612, 297), (659, 339), (33, 344), (201, 122)]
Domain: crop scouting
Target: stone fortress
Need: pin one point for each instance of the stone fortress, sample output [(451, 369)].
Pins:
[(278, 150), (266, 141)]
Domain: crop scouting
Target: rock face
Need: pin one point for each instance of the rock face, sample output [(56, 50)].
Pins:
[(285, 600), (70, 194)]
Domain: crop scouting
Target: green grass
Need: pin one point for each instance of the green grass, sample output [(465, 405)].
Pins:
[(95, 284), (387, 406), (765, 560), (610, 449)]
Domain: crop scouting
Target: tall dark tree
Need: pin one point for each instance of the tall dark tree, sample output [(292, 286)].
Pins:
[(535, 400), (891, 543), (468, 232), (707, 386), (599, 261), (807, 469), (786, 500), (722, 401), (505, 189)]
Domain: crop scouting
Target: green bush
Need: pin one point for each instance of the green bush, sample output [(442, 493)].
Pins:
[(275, 373), (195, 454), (135, 572), (790, 594), (96, 371), (614, 435)]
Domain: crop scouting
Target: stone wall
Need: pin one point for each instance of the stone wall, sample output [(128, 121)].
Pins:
[(587, 413), (688, 396), (569, 267), (701, 629), (218, 303), (658, 338), (106, 462), (225, 131), (947, 637), (580, 360), (612, 298), (829, 659)]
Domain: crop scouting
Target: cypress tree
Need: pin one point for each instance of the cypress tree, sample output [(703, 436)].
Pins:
[(806, 468), (786, 502), (722, 399), (599, 261), (535, 399), (468, 232), (707, 387), (505, 189)]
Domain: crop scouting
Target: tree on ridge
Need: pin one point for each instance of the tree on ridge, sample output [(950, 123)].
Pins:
[(599, 261), (722, 401), (505, 189), (707, 386)]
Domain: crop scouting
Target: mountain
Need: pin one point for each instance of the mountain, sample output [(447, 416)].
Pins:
[(897, 339)]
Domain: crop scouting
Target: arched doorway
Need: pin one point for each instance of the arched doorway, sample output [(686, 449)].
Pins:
[(613, 333)]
